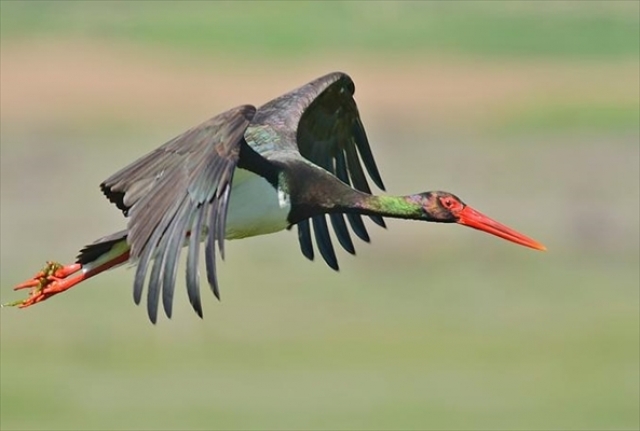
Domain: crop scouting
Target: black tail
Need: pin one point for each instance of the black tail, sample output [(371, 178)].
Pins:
[(93, 251)]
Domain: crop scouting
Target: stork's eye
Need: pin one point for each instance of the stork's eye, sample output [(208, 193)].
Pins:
[(450, 203)]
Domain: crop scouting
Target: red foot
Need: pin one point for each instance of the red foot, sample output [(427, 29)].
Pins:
[(51, 280)]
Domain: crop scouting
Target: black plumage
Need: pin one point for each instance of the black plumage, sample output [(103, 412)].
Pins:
[(295, 161), (183, 188)]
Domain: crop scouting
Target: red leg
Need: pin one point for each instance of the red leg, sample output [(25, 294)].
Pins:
[(50, 280), (55, 278), (51, 270)]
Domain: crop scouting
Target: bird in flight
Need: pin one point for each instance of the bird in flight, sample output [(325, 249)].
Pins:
[(295, 161)]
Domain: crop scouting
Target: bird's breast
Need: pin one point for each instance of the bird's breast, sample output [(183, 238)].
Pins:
[(256, 207)]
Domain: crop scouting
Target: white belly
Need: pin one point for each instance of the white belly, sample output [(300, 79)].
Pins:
[(255, 207)]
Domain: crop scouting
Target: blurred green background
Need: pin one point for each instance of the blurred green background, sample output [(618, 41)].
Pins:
[(527, 110)]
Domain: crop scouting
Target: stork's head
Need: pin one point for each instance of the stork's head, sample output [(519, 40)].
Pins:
[(444, 207)]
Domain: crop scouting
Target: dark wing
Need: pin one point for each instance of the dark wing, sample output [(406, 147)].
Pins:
[(321, 119), (172, 196)]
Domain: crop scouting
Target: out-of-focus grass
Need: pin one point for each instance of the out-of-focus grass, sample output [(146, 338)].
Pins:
[(431, 326), (562, 116), (518, 342), (295, 29)]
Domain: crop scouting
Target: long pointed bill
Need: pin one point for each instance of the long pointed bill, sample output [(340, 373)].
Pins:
[(477, 220)]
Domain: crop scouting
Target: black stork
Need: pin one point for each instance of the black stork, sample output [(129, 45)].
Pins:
[(295, 161)]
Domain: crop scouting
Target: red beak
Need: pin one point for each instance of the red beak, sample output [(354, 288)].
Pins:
[(472, 218)]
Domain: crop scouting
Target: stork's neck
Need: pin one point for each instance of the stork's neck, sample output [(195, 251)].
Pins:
[(344, 199), (402, 207), (315, 191)]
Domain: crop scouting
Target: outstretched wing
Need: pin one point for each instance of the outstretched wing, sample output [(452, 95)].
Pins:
[(175, 194), (321, 120)]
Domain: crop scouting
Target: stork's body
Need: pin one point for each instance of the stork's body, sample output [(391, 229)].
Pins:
[(296, 161)]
